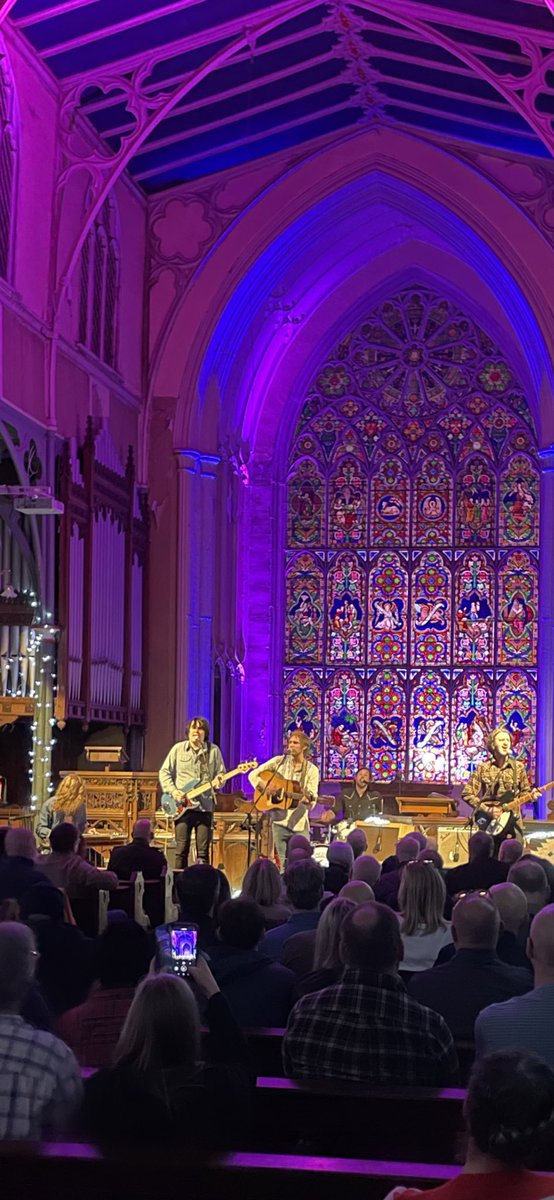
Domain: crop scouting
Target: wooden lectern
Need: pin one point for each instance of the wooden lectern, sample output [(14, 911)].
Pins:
[(425, 806)]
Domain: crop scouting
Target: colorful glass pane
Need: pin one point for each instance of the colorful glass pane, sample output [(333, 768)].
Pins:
[(344, 739), (388, 610), (429, 727), (516, 707), (348, 504), (474, 619), (431, 609), (306, 493), (472, 721), (304, 609), (476, 504), (302, 699), (386, 725), (389, 507), (519, 504), (346, 610), (432, 511), (518, 607), (327, 429)]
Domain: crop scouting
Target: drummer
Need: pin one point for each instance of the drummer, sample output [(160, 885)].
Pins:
[(358, 801), (293, 764)]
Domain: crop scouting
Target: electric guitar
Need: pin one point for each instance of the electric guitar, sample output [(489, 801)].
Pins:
[(511, 806), (196, 788)]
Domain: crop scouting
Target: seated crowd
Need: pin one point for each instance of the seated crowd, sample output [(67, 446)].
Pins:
[(376, 974)]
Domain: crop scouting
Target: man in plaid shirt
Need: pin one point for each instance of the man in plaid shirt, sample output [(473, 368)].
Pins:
[(366, 1028), (40, 1083)]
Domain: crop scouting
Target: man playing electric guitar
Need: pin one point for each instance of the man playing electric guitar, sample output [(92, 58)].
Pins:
[(292, 765), (190, 763), (497, 787)]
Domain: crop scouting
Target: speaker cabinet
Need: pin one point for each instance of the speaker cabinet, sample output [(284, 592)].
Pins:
[(452, 845)]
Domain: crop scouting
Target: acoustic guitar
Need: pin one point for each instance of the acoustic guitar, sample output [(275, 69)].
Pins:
[(195, 788), (274, 791), (511, 806)]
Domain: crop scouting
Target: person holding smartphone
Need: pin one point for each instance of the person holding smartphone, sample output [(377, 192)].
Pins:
[(192, 761)]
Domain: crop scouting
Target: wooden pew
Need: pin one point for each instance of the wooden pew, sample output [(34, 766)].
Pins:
[(63, 1171), (91, 912)]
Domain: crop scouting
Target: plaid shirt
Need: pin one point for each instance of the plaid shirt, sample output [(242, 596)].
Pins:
[(40, 1082), (367, 1029)]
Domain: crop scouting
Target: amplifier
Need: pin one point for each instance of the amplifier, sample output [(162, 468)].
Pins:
[(452, 844)]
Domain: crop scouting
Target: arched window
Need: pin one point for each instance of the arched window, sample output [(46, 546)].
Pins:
[(412, 549), (7, 172), (99, 288)]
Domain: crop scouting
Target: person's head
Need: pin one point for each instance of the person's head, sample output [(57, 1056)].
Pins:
[(197, 891), (142, 830), (3, 831), (509, 1106), (299, 842), (43, 900), (370, 939), (262, 883), (297, 743), (357, 891), (20, 843), (18, 957), (358, 840), (70, 794), (123, 955), (531, 878), (480, 846), (407, 849), (431, 856), (511, 903), (475, 923), (340, 854), (362, 779), (224, 889), (367, 868), (304, 884), (327, 938), (510, 851), (241, 924), (64, 838), (421, 898), (499, 742), (419, 837), (162, 1027), (540, 945), (197, 732), (295, 856)]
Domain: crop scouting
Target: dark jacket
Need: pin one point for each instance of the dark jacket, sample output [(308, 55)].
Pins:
[(387, 887), (476, 876), (257, 990), (335, 877), (315, 981), (137, 856), (459, 989), (17, 875), (66, 967)]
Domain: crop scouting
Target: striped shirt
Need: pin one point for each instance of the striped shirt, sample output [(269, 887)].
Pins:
[(40, 1082)]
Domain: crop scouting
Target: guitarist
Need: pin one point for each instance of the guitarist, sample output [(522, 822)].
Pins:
[(494, 783), (293, 764), (188, 763)]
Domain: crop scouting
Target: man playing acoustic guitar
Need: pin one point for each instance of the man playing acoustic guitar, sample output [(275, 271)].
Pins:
[(292, 765), (189, 763), (497, 788)]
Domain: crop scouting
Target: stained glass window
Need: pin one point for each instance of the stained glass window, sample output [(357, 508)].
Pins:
[(412, 549)]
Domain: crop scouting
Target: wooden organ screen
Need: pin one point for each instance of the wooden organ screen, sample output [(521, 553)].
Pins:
[(103, 585)]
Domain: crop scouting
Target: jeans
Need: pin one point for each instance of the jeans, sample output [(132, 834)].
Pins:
[(200, 821), (283, 833)]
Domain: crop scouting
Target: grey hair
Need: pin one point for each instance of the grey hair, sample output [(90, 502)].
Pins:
[(20, 843)]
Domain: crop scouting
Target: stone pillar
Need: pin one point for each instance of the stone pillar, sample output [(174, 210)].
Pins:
[(545, 730), (197, 548)]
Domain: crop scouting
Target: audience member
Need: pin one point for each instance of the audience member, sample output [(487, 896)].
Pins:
[(508, 1111), (92, 1029), (424, 931), (258, 990), (531, 878), (510, 851), (327, 964), (475, 977), (65, 868), (431, 856), (526, 1022), (512, 906), (262, 883), (158, 1089), (197, 890), (224, 891), (66, 965), (340, 857), (386, 889), (358, 840), (304, 888), (40, 1082), (18, 865), (138, 855), (367, 868), (366, 1028), (3, 832), (480, 872), (299, 842), (357, 891)]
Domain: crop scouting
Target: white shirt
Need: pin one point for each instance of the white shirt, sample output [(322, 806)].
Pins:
[(306, 773), (422, 949)]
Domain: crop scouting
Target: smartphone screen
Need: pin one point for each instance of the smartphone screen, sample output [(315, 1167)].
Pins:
[(177, 947)]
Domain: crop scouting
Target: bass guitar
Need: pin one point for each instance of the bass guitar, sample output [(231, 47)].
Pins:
[(487, 822), (197, 788), (274, 791)]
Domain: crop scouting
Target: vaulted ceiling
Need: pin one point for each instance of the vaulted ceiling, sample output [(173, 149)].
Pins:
[(249, 78)]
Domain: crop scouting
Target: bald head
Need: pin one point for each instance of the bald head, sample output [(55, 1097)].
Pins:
[(142, 830), (358, 840), (357, 891), (17, 964), (299, 842), (341, 854), (540, 945), (20, 843), (367, 868), (475, 923), (370, 938), (531, 878), (511, 904), (407, 849), (510, 851), (480, 845)]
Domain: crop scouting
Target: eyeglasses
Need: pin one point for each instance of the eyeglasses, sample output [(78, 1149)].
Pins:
[(472, 892)]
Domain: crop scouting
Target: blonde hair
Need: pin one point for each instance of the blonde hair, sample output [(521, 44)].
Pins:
[(327, 938), (305, 741), (262, 883), (494, 734), (70, 795), (162, 1027), (421, 898)]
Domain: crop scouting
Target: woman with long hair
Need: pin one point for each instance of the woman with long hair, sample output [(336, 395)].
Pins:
[(421, 898), (327, 967), (262, 883), (67, 804)]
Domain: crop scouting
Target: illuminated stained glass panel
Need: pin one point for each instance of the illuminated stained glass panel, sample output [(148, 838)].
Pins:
[(304, 588), (431, 600), (516, 707), (474, 612), (386, 725), (302, 704), (390, 505), (348, 504), (519, 503), (518, 587), (388, 616), (346, 610), (472, 721), (429, 727), (305, 509), (344, 729), (476, 508), (432, 510)]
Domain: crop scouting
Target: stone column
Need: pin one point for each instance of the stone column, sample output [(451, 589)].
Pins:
[(545, 706), (197, 547)]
